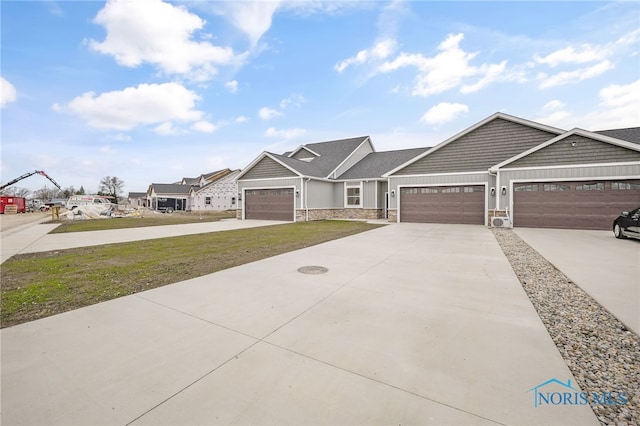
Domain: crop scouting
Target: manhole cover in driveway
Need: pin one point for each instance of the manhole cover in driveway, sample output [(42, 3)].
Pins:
[(312, 269)]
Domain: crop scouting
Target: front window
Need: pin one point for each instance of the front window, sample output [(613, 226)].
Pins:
[(353, 196)]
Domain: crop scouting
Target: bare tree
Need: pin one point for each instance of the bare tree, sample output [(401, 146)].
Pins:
[(111, 185), (46, 194)]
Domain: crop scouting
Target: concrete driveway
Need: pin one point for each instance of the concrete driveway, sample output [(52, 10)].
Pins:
[(603, 266), (412, 324)]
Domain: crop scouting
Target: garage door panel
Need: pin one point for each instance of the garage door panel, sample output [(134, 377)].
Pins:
[(269, 204), (573, 205), (457, 204)]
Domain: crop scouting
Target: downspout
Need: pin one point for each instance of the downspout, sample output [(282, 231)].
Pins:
[(497, 203)]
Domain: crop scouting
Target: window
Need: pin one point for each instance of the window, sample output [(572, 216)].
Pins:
[(428, 191), (409, 190), (207, 201), (621, 186), (556, 187), (453, 190), (474, 189), (591, 187), (526, 188), (353, 196)]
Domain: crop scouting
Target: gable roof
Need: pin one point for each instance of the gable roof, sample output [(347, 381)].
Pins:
[(579, 132), (169, 189), (231, 176), (330, 155), (629, 134), (495, 154), (375, 164)]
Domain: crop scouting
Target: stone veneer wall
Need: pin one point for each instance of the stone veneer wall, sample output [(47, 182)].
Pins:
[(392, 215), (322, 214)]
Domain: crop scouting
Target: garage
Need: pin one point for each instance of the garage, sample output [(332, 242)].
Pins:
[(270, 204), (573, 205), (443, 204)]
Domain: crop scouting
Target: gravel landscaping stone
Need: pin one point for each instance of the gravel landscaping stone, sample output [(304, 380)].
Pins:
[(602, 354)]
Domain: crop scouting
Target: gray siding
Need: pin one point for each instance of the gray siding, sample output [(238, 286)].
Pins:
[(320, 195), (338, 194), (358, 155), (369, 195), (382, 189), (267, 168), (585, 151), (395, 181), (480, 149), (273, 183), (569, 173), (302, 154)]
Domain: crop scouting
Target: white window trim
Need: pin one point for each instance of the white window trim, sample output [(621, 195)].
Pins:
[(352, 185)]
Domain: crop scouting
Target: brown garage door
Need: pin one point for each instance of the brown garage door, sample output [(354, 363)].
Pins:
[(269, 204), (443, 204), (573, 205)]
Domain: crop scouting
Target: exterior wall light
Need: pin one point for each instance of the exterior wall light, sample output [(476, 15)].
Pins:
[(493, 191), (393, 192), (297, 193), (503, 190)]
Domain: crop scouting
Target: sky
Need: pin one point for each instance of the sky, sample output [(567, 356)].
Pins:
[(151, 91)]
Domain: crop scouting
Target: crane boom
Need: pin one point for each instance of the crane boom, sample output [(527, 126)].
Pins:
[(26, 175)]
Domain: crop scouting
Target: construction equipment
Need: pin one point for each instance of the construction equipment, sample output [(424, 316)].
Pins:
[(26, 175)]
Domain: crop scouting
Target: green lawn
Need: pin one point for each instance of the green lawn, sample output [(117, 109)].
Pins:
[(42, 284)]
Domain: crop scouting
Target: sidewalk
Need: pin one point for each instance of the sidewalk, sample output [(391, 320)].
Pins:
[(36, 238)]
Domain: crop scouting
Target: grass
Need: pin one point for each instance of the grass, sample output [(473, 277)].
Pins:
[(144, 219), (38, 285)]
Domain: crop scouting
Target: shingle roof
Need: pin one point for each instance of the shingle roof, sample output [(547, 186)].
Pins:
[(137, 194), (171, 188), (630, 134), (332, 154), (375, 164)]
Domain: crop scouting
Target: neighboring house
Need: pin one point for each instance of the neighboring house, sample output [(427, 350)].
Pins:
[(168, 197), (211, 191), (137, 199), (335, 179), (525, 173), (219, 194)]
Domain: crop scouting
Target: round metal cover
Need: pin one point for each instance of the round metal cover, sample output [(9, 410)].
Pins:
[(312, 269)]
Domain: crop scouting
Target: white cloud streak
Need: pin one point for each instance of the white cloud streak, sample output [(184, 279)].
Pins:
[(266, 113), (443, 113)]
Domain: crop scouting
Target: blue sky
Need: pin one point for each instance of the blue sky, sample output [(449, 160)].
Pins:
[(153, 91)]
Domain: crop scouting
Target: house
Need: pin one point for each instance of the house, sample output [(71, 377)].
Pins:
[(137, 199), (211, 191), (334, 179), (504, 170), (218, 194)]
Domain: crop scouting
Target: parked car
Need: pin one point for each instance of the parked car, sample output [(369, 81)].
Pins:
[(627, 224)]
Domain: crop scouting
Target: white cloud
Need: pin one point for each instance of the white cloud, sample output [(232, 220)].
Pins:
[(295, 99), (135, 106), (251, 17), (267, 113), (284, 133), (448, 69), (617, 95), (166, 129), (443, 113), (7, 92), (107, 149), (553, 105), (204, 127), (242, 119), (575, 76), (232, 86), (160, 34), (583, 54), (380, 51)]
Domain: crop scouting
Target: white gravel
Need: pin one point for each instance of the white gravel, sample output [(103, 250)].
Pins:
[(602, 354)]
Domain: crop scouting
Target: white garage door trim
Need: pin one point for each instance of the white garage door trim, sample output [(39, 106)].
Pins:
[(441, 185), (244, 197)]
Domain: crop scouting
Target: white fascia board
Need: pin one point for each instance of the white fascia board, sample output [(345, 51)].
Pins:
[(576, 131), (295, 151), (457, 136), (260, 157), (366, 139)]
